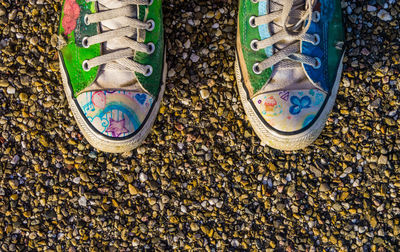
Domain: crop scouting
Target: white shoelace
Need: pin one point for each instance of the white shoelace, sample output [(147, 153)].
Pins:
[(296, 16), (118, 60)]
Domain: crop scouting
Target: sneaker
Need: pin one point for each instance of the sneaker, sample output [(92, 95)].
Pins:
[(112, 62), (288, 67)]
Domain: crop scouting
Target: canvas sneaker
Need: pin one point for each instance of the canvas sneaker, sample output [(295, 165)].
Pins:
[(113, 68), (288, 67)]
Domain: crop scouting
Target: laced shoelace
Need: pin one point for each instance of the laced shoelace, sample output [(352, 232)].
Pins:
[(301, 11), (119, 60)]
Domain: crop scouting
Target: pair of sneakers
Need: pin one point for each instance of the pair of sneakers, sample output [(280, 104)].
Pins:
[(288, 67)]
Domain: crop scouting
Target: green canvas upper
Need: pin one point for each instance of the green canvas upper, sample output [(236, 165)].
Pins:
[(293, 68), (246, 34), (329, 28), (154, 12), (74, 54)]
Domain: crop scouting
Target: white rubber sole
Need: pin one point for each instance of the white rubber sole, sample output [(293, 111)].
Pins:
[(98, 140), (287, 142)]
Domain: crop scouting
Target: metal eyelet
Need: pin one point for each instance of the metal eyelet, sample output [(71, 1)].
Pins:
[(151, 25), (85, 66), (317, 39), (85, 42), (254, 45), (256, 68), (151, 47), (316, 16), (150, 2), (318, 63), (149, 71), (252, 21), (254, 1), (86, 20)]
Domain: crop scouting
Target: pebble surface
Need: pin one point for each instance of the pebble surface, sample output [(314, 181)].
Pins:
[(201, 180)]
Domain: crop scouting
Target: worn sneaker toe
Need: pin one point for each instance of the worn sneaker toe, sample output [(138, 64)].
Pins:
[(115, 114), (289, 111)]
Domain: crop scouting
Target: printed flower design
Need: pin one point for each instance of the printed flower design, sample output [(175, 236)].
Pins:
[(71, 14), (299, 104)]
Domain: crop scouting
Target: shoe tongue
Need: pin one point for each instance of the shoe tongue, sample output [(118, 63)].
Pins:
[(283, 78), (109, 78), (277, 26)]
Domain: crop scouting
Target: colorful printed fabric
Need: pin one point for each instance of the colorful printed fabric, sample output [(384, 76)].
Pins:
[(71, 14), (330, 50), (73, 54), (247, 56), (115, 113), (292, 110), (289, 111), (329, 28)]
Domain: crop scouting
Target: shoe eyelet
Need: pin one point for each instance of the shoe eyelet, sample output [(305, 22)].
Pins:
[(150, 2), (317, 39), (318, 63), (254, 1), (316, 16), (85, 42), (86, 20), (256, 68), (151, 25), (252, 21), (151, 48), (254, 45), (85, 66), (149, 71)]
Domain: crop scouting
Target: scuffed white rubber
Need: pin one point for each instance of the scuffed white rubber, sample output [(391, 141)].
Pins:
[(98, 140), (287, 142)]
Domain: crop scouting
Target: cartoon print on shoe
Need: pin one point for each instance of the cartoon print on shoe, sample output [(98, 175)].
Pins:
[(115, 113), (288, 67), (112, 64), (291, 111)]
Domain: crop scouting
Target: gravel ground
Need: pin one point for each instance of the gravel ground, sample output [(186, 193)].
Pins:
[(201, 180)]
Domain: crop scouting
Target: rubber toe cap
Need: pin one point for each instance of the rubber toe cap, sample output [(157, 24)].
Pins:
[(289, 111), (116, 114)]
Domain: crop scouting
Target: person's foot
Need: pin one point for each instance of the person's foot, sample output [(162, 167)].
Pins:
[(113, 68), (288, 67)]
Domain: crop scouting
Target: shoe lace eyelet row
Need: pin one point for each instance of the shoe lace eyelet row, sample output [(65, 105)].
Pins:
[(151, 47), (316, 17)]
